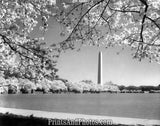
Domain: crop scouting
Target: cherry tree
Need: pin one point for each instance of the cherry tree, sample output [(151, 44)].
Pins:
[(21, 54), (131, 23)]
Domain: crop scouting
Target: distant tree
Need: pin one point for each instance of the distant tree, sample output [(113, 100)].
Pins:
[(131, 88), (148, 88), (12, 89), (121, 87), (87, 81)]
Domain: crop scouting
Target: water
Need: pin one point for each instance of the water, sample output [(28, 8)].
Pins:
[(145, 106)]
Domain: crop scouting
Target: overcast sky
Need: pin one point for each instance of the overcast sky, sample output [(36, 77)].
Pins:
[(120, 69)]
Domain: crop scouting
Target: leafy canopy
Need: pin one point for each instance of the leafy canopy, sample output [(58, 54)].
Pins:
[(132, 23)]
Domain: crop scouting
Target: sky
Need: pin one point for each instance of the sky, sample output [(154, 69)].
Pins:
[(121, 69)]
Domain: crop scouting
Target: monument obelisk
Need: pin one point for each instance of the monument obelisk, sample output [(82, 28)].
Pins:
[(100, 72)]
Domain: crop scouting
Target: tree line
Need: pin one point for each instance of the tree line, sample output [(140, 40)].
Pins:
[(142, 88)]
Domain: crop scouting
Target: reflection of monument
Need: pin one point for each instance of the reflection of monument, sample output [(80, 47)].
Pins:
[(100, 75)]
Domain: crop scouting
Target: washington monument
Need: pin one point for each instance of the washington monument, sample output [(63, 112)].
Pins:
[(100, 72)]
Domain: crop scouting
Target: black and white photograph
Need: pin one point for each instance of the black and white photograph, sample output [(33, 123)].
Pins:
[(80, 62)]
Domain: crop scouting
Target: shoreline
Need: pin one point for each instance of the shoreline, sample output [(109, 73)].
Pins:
[(70, 92), (71, 116)]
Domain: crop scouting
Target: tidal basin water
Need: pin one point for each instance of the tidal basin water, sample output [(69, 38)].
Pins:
[(145, 106)]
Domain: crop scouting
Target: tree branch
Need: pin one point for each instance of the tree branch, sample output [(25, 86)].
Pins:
[(82, 18), (153, 21)]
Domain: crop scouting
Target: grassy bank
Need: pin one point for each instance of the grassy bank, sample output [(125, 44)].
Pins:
[(8, 119)]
